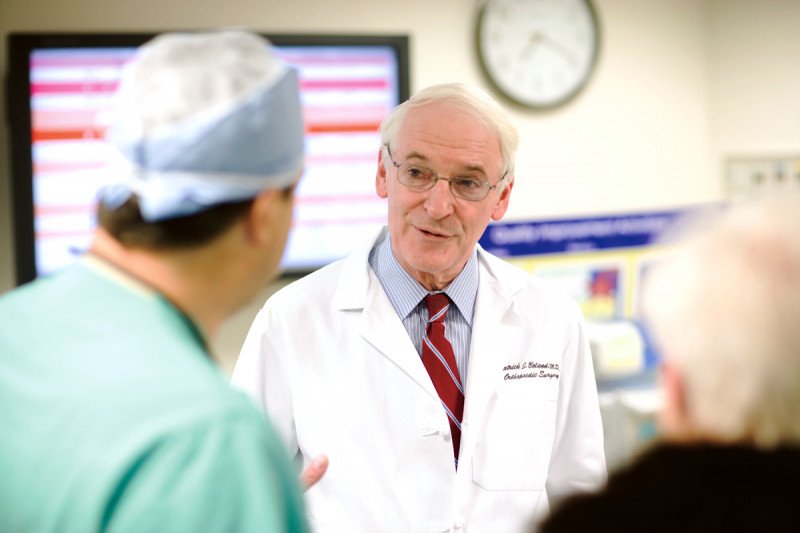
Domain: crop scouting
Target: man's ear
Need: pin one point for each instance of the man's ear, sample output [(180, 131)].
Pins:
[(380, 176), (259, 220), (674, 417), (501, 206)]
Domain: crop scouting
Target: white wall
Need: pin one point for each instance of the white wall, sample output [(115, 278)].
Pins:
[(754, 78), (678, 83)]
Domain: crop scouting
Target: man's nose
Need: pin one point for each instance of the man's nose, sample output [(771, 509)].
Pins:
[(439, 201)]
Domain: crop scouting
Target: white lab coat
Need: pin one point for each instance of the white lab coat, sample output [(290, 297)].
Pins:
[(330, 362)]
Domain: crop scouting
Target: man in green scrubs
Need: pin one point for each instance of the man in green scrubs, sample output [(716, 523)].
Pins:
[(114, 416)]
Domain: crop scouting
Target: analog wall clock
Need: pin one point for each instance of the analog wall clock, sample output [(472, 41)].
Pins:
[(538, 53)]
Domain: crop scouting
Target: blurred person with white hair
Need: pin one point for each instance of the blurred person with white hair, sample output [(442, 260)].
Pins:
[(451, 390), (115, 416), (724, 309)]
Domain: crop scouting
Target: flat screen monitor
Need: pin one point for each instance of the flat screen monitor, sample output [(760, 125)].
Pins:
[(59, 93)]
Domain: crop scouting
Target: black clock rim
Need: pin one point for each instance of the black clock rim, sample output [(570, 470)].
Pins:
[(549, 106)]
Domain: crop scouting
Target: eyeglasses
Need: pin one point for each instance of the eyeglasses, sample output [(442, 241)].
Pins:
[(420, 178)]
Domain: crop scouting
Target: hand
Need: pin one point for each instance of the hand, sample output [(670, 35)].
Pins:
[(534, 41), (313, 472), (560, 48)]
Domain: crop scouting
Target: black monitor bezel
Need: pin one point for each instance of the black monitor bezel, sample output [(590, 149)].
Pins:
[(19, 46)]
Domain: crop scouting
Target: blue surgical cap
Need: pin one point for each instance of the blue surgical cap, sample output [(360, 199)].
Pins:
[(223, 143)]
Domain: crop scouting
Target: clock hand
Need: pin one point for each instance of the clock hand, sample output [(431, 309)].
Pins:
[(535, 40), (559, 47)]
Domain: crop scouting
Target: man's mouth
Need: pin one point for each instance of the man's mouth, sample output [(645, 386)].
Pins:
[(432, 233)]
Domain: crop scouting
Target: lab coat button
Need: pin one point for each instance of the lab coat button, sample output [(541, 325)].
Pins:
[(458, 525), (446, 436)]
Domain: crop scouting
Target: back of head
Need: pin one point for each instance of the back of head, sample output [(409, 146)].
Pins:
[(176, 76), (725, 308), (204, 119), (473, 102)]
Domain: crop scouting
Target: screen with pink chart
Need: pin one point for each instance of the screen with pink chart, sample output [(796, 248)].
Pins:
[(60, 91)]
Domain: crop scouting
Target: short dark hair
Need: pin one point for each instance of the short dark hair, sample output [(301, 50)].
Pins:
[(126, 225)]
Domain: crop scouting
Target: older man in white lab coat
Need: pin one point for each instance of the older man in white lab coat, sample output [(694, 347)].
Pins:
[(478, 429)]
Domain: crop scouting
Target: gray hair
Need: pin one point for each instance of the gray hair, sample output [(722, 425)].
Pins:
[(473, 101), (726, 308)]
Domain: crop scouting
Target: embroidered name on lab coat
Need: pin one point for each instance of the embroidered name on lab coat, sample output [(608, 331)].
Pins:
[(531, 370)]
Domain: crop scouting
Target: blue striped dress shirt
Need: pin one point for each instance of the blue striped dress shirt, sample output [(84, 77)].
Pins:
[(406, 296)]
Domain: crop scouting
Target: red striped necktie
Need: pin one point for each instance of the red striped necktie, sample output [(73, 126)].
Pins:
[(439, 361)]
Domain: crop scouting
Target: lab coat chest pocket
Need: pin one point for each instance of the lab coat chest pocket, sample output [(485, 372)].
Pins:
[(513, 450)]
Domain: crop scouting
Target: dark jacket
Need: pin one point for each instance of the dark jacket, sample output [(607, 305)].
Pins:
[(692, 489)]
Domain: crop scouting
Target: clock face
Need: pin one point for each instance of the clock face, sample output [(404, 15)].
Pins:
[(538, 53)]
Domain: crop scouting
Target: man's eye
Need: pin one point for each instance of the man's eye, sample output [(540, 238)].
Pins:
[(416, 173), (468, 183)]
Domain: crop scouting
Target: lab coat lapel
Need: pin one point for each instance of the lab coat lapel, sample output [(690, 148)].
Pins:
[(379, 324), (497, 331), (382, 328)]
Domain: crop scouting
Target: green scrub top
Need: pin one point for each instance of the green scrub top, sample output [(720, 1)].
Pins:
[(114, 418)]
